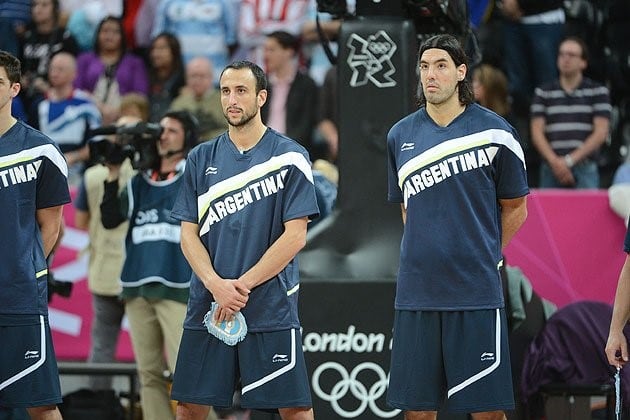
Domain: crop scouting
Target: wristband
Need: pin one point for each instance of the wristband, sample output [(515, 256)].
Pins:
[(569, 161)]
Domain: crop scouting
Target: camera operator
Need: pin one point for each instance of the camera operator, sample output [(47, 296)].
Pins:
[(155, 275), (107, 253)]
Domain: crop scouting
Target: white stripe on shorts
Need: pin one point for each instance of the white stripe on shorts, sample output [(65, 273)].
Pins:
[(487, 371), (42, 359), (275, 374)]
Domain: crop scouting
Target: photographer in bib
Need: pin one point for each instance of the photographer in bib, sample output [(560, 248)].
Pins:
[(155, 275)]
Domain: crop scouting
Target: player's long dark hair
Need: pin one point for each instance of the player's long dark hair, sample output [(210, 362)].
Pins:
[(451, 45)]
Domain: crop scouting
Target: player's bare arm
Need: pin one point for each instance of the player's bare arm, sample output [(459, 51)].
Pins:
[(49, 220), (513, 215), (617, 345), (231, 295), (279, 254)]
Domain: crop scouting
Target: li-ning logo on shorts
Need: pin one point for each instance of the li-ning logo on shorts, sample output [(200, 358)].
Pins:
[(279, 358), (407, 146), (211, 170), (31, 354), (487, 356)]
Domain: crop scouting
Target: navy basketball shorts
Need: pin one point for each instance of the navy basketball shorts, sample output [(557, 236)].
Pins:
[(452, 360), (28, 369), (269, 365)]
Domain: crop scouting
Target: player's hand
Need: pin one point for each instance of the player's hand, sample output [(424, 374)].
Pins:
[(223, 315), (617, 349), (231, 296)]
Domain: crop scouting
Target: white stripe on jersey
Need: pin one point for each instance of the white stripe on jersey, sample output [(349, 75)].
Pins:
[(255, 172), (46, 150), (449, 147)]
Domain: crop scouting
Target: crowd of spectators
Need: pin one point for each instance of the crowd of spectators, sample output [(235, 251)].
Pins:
[(146, 46)]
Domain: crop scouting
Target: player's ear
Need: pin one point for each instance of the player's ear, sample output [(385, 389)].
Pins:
[(262, 97), (15, 89)]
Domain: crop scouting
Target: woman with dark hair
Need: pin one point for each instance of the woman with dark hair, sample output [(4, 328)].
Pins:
[(43, 37), (166, 73), (110, 71)]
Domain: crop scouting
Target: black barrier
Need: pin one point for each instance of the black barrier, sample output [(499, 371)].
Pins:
[(377, 86), (349, 265), (346, 337)]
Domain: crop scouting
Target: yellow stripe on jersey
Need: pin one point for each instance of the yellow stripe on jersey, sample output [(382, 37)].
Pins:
[(255, 172), (458, 145), (46, 150)]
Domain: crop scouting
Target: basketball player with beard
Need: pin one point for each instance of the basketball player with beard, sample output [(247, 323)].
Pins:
[(245, 203)]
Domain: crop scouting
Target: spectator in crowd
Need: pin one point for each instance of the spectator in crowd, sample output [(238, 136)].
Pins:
[(570, 119), (134, 105), (32, 212), (66, 114), (155, 294), (257, 20), (490, 87), (201, 99), (204, 27), (14, 16), (110, 70), (106, 251), (166, 73), (531, 33), (44, 37), (291, 106), (327, 131), (138, 18), (85, 16)]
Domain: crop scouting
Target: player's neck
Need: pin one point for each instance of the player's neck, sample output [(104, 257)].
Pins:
[(443, 114), (6, 122), (247, 136)]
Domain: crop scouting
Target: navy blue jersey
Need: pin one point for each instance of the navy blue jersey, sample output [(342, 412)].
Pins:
[(240, 202), (449, 180), (33, 175), (626, 242)]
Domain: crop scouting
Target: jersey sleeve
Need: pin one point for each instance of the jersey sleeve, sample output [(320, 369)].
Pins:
[(394, 193), (185, 208), (52, 181), (299, 199), (511, 179)]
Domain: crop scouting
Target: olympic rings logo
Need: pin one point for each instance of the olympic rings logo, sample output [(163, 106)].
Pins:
[(349, 382), (379, 48)]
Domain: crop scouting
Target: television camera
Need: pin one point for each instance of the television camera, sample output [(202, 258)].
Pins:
[(137, 142), (429, 16)]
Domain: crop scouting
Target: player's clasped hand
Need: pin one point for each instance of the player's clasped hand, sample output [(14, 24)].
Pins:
[(232, 296)]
